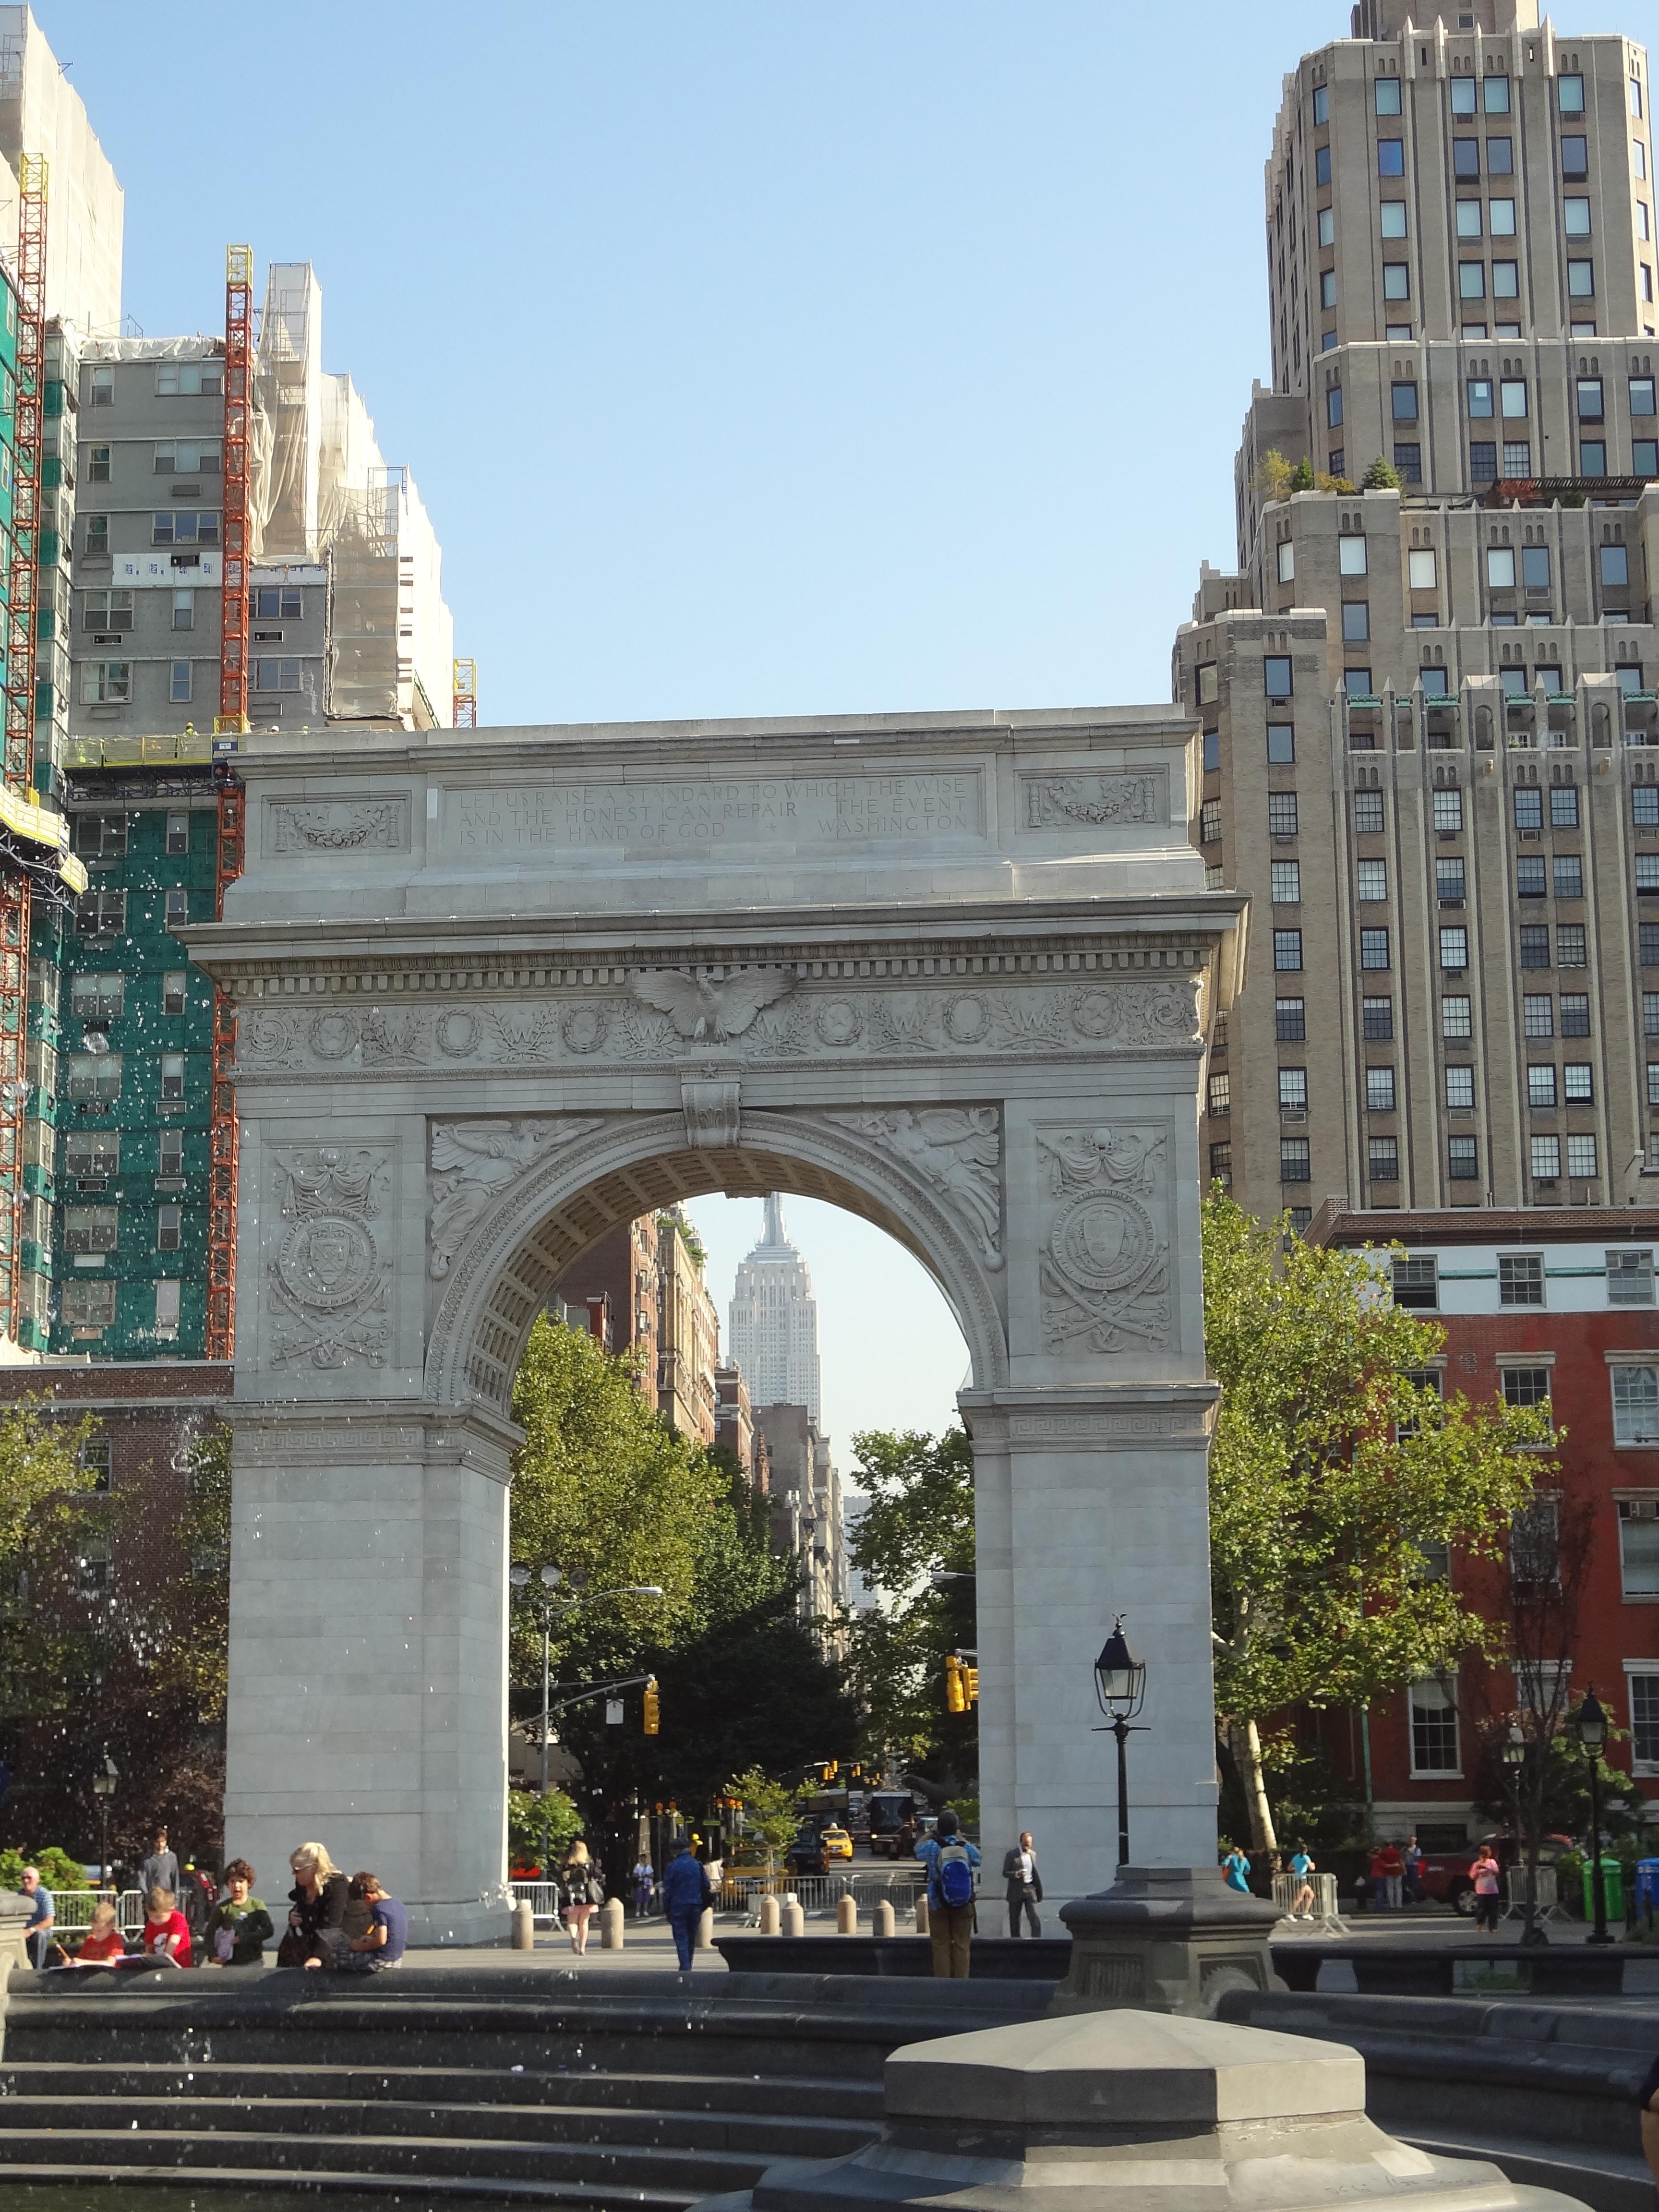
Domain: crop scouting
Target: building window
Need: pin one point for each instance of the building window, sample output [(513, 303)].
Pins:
[(170, 1157), (1289, 1020), (1434, 1730), (1286, 881), (1480, 396), (1582, 1158), (1417, 1284), (173, 1077), (1517, 458), (280, 603), (1635, 1404), (1472, 278), (1468, 224), (1422, 570), (1286, 561), (1209, 821), (1459, 1087), (1449, 811), (1453, 948), (1630, 1278), (167, 1308), (169, 1226), (1386, 95), (1367, 813), (1578, 1083), (1292, 1090), (1281, 814), (1535, 947), (100, 914), (1525, 1386), (1390, 158), (178, 835), (1371, 882), (1529, 806), (1575, 159), (101, 837), (1356, 621), (1404, 402), (1462, 1159), (1646, 946), (96, 998), (187, 457), (105, 683), (1287, 949), (1322, 165), (1382, 1158), (1581, 279), (1563, 807), (107, 611), (1396, 280), (1221, 1166), (1466, 157), (1376, 1020), (1293, 1160), (88, 1229), (178, 682), (1501, 215), (1220, 1095), (1500, 567), (1449, 882), (1546, 1158), (1391, 220), (1276, 675), (1570, 95), (175, 985), (177, 908), (1211, 752), (277, 675), (1322, 104), (1530, 880), (103, 387), (1541, 1088), (1456, 1018), (89, 1154), (1589, 400), (187, 379), (1356, 682), (1535, 568), (1281, 745), (1535, 1542), (1483, 461), (1592, 456), (94, 1076), (88, 1308), (1520, 1278), (1374, 948), (1571, 945), (1379, 1089)]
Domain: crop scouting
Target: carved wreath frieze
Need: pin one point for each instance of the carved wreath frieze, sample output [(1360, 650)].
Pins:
[(755, 1015), (379, 825), (1055, 802), (473, 1162), (957, 1149), (327, 1282), (1104, 1264)]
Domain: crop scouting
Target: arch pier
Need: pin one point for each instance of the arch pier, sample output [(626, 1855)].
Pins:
[(497, 991)]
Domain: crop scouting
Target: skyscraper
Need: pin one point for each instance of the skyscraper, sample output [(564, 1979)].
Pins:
[(1430, 729), (774, 1320)]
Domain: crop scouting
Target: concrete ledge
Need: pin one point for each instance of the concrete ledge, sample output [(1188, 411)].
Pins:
[(908, 1958)]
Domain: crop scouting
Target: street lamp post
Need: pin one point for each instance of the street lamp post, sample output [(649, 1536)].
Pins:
[(550, 1577), (1515, 1758), (1590, 1722), (104, 1780), (1120, 1689)]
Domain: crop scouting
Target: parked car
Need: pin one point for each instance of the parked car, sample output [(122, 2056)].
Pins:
[(1446, 1877), (837, 1844)]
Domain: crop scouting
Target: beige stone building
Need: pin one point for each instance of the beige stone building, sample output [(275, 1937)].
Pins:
[(1431, 732), (688, 1331)]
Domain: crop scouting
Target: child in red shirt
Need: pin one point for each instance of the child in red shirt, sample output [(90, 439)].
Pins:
[(103, 1940), (166, 1931)]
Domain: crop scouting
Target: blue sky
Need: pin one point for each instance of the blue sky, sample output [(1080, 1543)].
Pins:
[(754, 358)]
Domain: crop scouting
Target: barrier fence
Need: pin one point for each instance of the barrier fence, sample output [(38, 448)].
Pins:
[(1326, 1913), (1549, 1900)]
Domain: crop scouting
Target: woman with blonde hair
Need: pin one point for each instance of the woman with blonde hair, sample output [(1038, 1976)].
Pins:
[(318, 1902), (583, 1890)]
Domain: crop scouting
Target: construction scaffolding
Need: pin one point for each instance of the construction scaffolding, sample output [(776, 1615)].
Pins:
[(464, 696)]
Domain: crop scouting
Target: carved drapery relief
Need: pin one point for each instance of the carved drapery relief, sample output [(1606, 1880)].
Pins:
[(473, 1162), (328, 1283), (957, 1150), (1057, 802), (953, 1019), (378, 825), (713, 1111), (1104, 1265)]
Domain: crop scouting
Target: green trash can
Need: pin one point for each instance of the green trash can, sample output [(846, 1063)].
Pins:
[(1612, 1888)]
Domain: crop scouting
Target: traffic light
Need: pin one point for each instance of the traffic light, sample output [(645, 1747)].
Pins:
[(955, 1699), (832, 1770), (970, 1683), (653, 1710)]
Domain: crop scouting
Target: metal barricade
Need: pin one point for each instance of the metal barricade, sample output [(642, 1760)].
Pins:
[(1326, 1913), (1549, 1898), (542, 1899), (820, 1894), (73, 1909), (129, 1912)]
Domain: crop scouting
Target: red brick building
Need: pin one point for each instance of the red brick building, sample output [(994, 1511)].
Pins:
[(1556, 1304)]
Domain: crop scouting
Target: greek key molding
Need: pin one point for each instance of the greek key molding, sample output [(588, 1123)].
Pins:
[(1104, 1263), (329, 1286), (755, 1015)]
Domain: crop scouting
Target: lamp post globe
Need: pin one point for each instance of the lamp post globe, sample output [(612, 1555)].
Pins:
[(1121, 1690)]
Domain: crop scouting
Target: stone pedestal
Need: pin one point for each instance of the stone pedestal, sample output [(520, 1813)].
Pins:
[(1165, 1939), (1127, 2110)]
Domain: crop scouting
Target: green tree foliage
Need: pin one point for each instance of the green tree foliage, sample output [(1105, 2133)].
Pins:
[(41, 1477), (537, 1826), (920, 1521), (771, 1810), (56, 1869), (1383, 476), (1323, 1516)]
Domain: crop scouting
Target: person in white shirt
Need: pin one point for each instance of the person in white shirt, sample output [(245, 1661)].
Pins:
[(1024, 1885)]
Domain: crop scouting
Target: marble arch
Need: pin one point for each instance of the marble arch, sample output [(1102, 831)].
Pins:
[(497, 990)]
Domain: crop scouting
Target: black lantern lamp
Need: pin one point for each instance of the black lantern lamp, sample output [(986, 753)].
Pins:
[(1590, 1725), (1120, 1686), (104, 1780)]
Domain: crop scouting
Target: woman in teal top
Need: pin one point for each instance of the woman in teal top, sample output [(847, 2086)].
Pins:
[(1236, 1867)]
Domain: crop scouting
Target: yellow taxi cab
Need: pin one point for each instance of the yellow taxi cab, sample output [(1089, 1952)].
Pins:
[(837, 1844)]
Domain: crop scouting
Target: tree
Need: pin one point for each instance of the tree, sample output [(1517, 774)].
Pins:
[(1383, 476), (1273, 475), (771, 1810), (538, 1829), (919, 1522), (1336, 1482)]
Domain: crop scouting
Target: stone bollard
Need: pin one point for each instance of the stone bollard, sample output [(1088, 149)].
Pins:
[(768, 1916), (921, 1912), (884, 1917), (794, 1920), (846, 1915), (611, 1919), (706, 1929), (524, 1926)]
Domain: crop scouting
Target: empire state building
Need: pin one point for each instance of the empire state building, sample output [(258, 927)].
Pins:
[(774, 1320)]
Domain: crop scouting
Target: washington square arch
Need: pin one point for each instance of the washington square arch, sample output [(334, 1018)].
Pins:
[(498, 991)]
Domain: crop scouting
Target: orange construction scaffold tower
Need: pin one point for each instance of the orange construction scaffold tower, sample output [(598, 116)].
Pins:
[(21, 593), (230, 725), (464, 696)]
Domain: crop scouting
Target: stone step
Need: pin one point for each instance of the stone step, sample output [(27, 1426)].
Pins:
[(756, 2135), (673, 2175), (456, 2189), (1605, 2180), (810, 2098)]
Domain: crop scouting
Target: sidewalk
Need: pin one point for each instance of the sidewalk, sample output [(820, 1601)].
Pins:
[(648, 1948)]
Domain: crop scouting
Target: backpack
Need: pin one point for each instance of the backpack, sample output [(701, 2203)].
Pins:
[(955, 1874)]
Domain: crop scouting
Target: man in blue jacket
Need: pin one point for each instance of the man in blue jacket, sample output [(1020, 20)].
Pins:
[(953, 1867), (685, 1892)]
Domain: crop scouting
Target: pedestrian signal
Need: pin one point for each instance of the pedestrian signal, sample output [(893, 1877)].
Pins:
[(653, 1710), (954, 1698)]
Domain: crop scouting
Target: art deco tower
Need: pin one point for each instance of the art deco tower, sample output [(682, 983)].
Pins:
[(774, 1320)]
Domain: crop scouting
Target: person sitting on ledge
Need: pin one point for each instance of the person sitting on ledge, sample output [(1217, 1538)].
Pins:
[(240, 1927), (386, 1938), (318, 1901)]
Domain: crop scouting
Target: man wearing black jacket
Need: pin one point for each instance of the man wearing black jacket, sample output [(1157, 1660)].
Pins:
[(1024, 1885)]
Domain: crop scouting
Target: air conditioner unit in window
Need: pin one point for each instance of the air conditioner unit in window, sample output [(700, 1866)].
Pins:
[(1292, 1113), (187, 560), (1530, 836), (267, 637), (107, 637), (187, 491), (1454, 971), (91, 1183), (1451, 902), (1544, 1182)]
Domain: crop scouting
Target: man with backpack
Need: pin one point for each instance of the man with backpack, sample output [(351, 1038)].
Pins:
[(952, 1862)]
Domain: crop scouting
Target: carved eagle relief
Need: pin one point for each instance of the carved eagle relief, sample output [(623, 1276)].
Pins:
[(708, 1012)]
